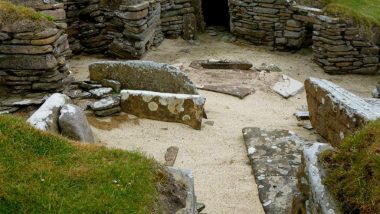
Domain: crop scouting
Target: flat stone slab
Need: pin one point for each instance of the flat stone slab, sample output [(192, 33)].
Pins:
[(225, 64), (276, 158), (287, 87), (180, 108), (232, 90), (24, 100), (144, 75)]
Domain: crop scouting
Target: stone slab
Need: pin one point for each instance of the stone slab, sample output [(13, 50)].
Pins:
[(144, 75), (321, 201), (336, 112), (223, 64), (287, 87), (232, 90), (180, 108), (276, 159)]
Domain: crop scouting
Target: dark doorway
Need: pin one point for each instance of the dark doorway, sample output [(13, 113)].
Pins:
[(216, 12)]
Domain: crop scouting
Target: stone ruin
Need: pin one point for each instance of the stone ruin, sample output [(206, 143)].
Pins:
[(33, 53)]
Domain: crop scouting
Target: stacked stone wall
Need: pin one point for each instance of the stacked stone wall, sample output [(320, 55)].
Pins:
[(175, 14), (33, 53), (339, 46), (124, 29), (260, 21)]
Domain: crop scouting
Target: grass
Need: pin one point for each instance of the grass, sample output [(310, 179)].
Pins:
[(44, 173), (363, 12), (10, 12), (353, 171)]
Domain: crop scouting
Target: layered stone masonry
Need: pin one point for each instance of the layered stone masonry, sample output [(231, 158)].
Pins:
[(339, 46), (33, 55), (336, 112), (177, 18), (124, 29)]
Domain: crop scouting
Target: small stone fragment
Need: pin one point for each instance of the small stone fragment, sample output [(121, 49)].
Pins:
[(287, 87), (106, 103), (100, 92), (108, 112), (302, 115), (115, 85), (171, 155)]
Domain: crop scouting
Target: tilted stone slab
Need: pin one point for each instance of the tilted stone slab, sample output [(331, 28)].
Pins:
[(336, 112), (276, 159), (144, 75), (180, 108), (46, 117)]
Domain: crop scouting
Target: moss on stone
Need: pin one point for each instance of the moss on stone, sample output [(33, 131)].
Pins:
[(10, 12)]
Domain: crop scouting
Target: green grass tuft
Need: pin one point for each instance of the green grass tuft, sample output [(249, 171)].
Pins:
[(44, 173), (353, 171), (10, 12), (363, 12)]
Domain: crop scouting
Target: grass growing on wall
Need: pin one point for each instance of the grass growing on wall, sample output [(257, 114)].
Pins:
[(10, 12), (353, 171), (365, 12), (44, 173)]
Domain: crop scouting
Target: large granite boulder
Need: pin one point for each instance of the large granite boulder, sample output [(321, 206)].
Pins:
[(144, 75), (46, 117), (74, 125)]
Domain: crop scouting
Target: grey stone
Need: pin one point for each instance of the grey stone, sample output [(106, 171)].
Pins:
[(287, 87), (302, 115), (115, 85), (106, 103), (108, 112), (276, 159), (28, 62), (171, 155), (144, 75), (46, 117), (186, 177), (100, 92), (74, 125), (321, 200)]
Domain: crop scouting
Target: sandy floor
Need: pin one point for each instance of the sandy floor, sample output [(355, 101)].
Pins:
[(216, 154)]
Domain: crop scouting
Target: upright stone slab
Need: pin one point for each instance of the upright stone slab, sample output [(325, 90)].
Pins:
[(144, 75), (180, 108), (336, 112)]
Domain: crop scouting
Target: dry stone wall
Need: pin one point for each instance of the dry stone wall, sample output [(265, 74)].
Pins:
[(124, 29), (33, 53), (175, 14), (339, 46)]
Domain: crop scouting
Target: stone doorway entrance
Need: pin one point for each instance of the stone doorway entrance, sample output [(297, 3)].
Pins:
[(216, 12)]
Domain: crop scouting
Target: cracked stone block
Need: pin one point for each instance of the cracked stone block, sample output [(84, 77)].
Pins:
[(276, 159), (180, 108)]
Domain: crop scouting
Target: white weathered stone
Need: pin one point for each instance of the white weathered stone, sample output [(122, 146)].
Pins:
[(46, 117), (287, 87)]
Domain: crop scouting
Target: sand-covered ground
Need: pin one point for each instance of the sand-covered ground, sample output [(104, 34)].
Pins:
[(217, 154)]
